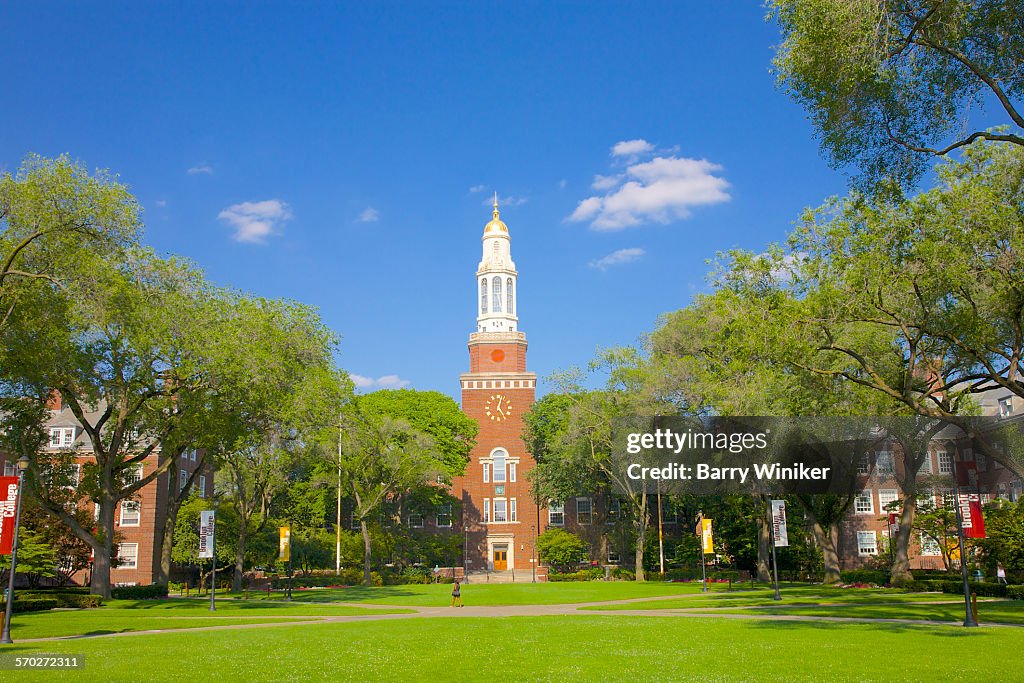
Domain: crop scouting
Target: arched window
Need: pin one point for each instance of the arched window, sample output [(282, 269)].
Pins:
[(496, 294), (508, 293), (498, 466), (483, 296)]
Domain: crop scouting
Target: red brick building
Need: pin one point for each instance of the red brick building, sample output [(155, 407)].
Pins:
[(500, 519), (138, 522)]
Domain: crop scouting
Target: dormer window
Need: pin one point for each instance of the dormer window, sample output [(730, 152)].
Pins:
[(61, 437)]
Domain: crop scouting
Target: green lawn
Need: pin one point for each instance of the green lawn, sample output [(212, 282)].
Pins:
[(558, 648), (119, 616), (995, 612), (492, 594), (795, 595)]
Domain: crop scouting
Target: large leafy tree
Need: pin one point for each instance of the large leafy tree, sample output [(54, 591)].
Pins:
[(889, 83)]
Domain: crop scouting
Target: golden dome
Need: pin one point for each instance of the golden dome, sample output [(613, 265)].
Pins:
[(496, 226)]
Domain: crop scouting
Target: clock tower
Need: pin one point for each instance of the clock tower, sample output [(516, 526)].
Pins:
[(500, 518)]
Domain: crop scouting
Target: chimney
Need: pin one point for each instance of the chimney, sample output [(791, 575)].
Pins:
[(53, 401)]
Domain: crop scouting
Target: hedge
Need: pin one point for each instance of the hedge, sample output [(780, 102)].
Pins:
[(594, 574), (1015, 592), (151, 592), (32, 604), (981, 588)]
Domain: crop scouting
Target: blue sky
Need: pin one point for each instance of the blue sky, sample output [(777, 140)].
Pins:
[(345, 155)]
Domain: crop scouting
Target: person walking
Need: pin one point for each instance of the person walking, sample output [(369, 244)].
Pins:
[(1000, 573), (456, 593)]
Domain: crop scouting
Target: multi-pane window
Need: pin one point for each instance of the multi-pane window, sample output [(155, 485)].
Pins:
[(511, 471), (127, 555), (133, 474), (444, 515), (508, 293), (416, 520), (945, 462), (864, 503), (182, 480), (487, 510), (556, 514), (74, 474), (948, 500), (863, 465), (10, 469), (131, 513), (926, 464), (512, 510), (202, 486), (61, 437), (500, 510), (887, 496), (884, 463), (867, 543), (496, 294), (584, 511), (483, 295), (1006, 407), (499, 467), (487, 472), (929, 546), (925, 497), (614, 510)]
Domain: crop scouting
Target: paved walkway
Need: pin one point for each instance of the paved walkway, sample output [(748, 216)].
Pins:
[(486, 611)]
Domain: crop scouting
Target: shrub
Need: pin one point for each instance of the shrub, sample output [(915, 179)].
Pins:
[(981, 588), (561, 549), (876, 576), (595, 574), (152, 592), (32, 604), (1015, 592), (623, 574)]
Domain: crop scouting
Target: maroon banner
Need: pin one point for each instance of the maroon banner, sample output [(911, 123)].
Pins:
[(8, 505), (970, 513), (967, 474)]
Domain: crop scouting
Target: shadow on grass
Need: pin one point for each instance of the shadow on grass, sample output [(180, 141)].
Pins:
[(941, 630)]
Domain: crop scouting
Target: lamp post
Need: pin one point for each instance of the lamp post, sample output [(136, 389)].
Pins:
[(5, 637)]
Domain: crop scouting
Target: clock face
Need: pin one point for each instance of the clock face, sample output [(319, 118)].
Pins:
[(498, 407)]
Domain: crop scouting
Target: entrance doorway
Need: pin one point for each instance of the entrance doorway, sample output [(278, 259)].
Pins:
[(500, 558)]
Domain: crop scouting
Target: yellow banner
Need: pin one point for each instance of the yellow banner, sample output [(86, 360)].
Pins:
[(706, 539), (285, 546)]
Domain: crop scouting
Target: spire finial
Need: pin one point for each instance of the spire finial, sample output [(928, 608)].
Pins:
[(495, 206)]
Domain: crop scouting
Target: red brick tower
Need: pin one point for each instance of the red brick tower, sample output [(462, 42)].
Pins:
[(500, 518)]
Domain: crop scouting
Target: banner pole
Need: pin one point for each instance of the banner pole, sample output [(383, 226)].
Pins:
[(213, 574), (775, 566), (969, 619)]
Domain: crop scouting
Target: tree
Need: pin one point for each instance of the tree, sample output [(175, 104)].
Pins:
[(561, 549), (36, 558), (1004, 530), (888, 84), (55, 220), (382, 455)]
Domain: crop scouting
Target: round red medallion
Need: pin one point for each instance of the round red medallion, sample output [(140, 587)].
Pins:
[(497, 355)]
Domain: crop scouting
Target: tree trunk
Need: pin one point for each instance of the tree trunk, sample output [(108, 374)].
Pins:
[(236, 580), (103, 549), (641, 537), (828, 542), (365, 529), (900, 573), (763, 550)]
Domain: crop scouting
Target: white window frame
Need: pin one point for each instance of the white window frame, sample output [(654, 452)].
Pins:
[(499, 475), (556, 511), (945, 460), (444, 511), (121, 547), (928, 547), (415, 520), (512, 510), (182, 480), (588, 515), (511, 472), (613, 557), (487, 510), (202, 486), (886, 496), (885, 463), (61, 437), (864, 548), (926, 464), (500, 513), (128, 506), (75, 475), (134, 474), (487, 472), (866, 496), (10, 469), (1006, 406)]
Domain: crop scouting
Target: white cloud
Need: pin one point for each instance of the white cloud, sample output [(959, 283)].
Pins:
[(201, 168), (506, 201), (631, 148), (562, 184), (369, 215), (255, 221), (605, 182), (618, 258), (161, 203), (383, 382), (660, 190), (477, 188)]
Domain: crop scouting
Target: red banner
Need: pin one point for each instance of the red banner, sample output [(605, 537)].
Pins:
[(970, 513), (8, 504)]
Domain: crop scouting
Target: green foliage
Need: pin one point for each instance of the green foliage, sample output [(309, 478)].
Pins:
[(1015, 592), (889, 84), (561, 549), (154, 591), (1004, 528), (593, 574), (36, 558)]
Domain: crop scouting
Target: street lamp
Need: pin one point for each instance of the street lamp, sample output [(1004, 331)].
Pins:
[(5, 637)]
